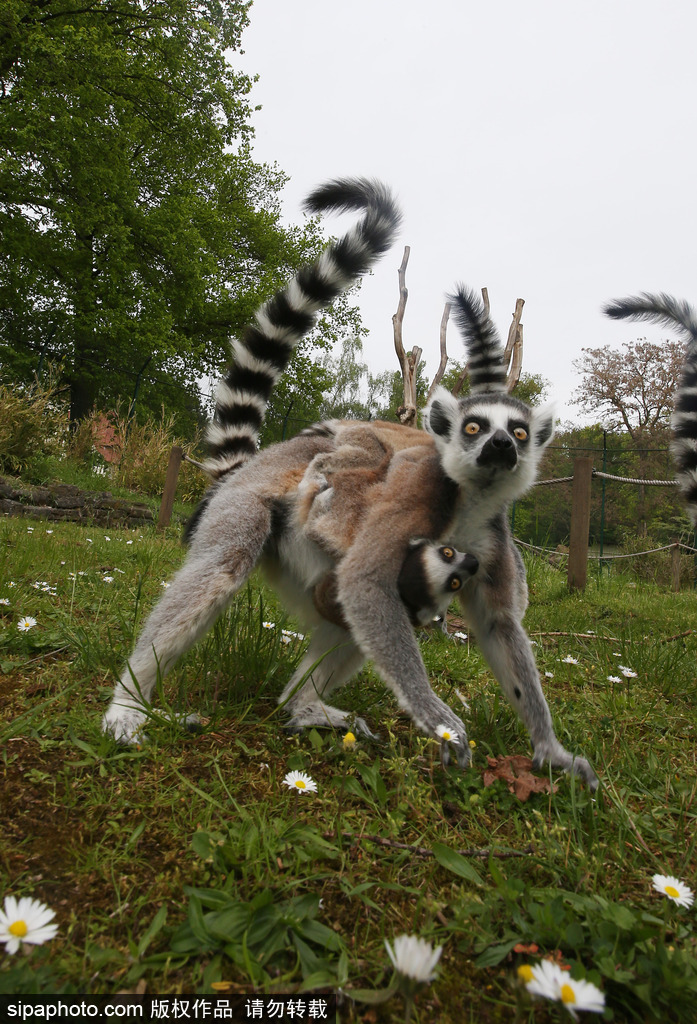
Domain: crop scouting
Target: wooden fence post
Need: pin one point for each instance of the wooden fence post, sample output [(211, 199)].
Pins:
[(675, 564), (167, 503), (580, 523)]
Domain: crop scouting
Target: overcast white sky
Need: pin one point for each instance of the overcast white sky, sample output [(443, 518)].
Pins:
[(542, 148)]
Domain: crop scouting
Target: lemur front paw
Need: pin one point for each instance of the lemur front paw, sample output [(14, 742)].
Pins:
[(566, 761), (443, 724)]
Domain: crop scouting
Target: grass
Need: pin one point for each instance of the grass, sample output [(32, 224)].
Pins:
[(186, 862)]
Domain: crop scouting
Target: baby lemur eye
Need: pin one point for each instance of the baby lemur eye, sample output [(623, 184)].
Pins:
[(472, 428), (455, 583), (521, 433)]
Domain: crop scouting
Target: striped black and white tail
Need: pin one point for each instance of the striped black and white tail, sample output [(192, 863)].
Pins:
[(487, 371), (262, 353), (679, 315)]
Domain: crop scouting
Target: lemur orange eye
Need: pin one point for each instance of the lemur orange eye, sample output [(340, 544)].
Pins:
[(521, 433), (455, 583), (448, 553), (472, 428)]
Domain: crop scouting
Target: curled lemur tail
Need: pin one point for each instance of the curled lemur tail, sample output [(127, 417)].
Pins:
[(486, 367), (266, 346), (670, 312)]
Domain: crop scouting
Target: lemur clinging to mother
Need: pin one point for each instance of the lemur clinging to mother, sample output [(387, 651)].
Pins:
[(332, 500), (452, 487)]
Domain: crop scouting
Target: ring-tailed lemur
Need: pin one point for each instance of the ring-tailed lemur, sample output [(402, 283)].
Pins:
[(452, 487), (669, 312)]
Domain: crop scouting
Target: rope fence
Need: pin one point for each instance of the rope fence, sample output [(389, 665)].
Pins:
[(578, 554), (634, 480)]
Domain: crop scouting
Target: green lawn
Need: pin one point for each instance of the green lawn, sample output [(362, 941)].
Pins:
[(186, 862)]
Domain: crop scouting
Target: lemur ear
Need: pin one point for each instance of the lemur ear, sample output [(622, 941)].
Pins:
[(441, 414), (543, 425)]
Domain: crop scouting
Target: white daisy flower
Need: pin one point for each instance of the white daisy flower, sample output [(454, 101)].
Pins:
[(89, 540), (12, 584), (568, 660), (549, 675), (107, 538), (269, 625), (544, 979), (614, 679), (627, 672), (449, 735), (25, 623), (129, 542), (548, 980), (49, 531), (301, 782), (676, 890), (414, 958), (107, 579), (288, 634), (25, 920), (4, 600), (165, 585)]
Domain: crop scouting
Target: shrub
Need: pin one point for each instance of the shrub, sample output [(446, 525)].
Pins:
[(33, 423), (144, 454)]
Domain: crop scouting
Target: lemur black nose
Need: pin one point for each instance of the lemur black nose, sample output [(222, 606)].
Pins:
[(501, 439), (470, 564)]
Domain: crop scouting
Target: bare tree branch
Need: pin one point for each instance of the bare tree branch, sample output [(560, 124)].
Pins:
[(443, 352), (408, 362)]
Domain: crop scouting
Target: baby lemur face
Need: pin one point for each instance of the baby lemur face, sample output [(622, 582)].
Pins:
[(488, 437), (430, 577)]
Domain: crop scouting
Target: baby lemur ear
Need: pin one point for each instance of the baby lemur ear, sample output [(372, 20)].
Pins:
[(543, 425), (441, 415)]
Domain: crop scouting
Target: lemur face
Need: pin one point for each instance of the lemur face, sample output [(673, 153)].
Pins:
[(431, 576), (488, 436)]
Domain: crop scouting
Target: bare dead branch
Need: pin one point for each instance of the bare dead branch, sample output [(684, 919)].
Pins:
[(513, 330), (408, 362), (443, 352), (513, 353), (423, 851), (517, 361)]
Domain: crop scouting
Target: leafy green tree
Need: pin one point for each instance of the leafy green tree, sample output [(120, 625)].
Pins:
[(137, 233)]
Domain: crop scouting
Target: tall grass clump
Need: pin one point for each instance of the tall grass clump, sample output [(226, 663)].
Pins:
[(33, 423), (142, 453)]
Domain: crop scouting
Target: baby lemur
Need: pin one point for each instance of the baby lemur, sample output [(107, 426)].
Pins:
[(449, 485), (332, 502)]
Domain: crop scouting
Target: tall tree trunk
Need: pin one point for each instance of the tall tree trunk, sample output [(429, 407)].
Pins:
[(82, 375)]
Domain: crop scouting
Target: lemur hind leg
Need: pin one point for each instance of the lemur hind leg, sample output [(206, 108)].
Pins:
[(494, 613), (214, 570), (330, 661)]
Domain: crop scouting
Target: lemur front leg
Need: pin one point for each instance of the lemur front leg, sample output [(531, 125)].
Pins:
[(379, 624), (508, 651)]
